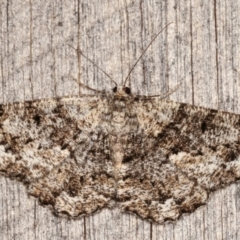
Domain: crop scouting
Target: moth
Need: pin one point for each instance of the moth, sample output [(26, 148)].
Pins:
[(145, 155)]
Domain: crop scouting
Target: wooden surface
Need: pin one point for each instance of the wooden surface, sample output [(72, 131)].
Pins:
[(200, 50)]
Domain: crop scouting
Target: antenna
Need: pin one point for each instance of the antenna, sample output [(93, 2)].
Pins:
[(91, 61), (143, 53)]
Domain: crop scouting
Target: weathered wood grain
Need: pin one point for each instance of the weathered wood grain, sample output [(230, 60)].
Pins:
[(200, 50)]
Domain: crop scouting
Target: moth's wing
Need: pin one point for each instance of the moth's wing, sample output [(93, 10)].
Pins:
[(60, 149), (179, 155)]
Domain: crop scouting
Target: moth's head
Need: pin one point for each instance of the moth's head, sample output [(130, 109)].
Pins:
[(121, 91)]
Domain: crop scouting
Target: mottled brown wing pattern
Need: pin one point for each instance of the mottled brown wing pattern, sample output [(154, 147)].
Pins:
[(151, 157), (179, 155), (58, 149), (152, 187)]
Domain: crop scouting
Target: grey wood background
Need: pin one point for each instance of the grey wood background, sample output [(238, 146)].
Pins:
[(200, 50)]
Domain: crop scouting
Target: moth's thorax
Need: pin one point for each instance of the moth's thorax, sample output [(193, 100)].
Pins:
[(122, 109)]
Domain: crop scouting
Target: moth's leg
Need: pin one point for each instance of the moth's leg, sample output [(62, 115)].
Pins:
[(85, 86), (170, 91), (164, 95)]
